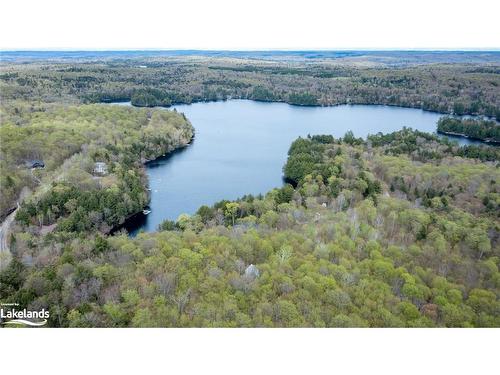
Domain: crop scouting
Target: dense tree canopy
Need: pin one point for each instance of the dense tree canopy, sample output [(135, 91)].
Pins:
[(479, 129), (395, 231), (448, 88), (70, 139), (398, 230)]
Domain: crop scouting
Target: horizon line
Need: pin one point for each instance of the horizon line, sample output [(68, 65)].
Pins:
[(366, 49)]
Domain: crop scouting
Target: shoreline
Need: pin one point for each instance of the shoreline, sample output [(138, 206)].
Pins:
[(449, 113), (139, 214), (455, 134)]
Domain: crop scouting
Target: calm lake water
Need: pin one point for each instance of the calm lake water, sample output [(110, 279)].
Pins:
[(240, 148)]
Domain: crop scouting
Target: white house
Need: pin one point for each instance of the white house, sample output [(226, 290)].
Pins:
[(100, 168)]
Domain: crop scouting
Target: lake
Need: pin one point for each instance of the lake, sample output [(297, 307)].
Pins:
[(240, 148)]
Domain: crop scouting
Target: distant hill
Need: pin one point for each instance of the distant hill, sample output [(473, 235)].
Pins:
[(398, 57)]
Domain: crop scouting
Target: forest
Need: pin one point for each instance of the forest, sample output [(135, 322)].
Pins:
[(395, 230), (399, 230), (459, 88), (488, 131), (70, 140)]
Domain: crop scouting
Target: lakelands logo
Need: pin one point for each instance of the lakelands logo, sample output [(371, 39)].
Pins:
[(10, 315)]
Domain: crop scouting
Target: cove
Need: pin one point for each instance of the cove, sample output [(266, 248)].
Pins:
[(240, 148)]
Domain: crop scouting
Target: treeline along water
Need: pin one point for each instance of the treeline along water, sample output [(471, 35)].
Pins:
[(241, 146)]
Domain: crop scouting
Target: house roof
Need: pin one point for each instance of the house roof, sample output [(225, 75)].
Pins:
[(35, 162)]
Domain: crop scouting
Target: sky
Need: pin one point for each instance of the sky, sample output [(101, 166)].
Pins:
[(249, 24)]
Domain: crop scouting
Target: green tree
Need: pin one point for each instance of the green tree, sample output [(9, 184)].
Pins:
[(231, 210)]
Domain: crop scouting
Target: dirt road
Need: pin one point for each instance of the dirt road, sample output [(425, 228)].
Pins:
[(4, 239)]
